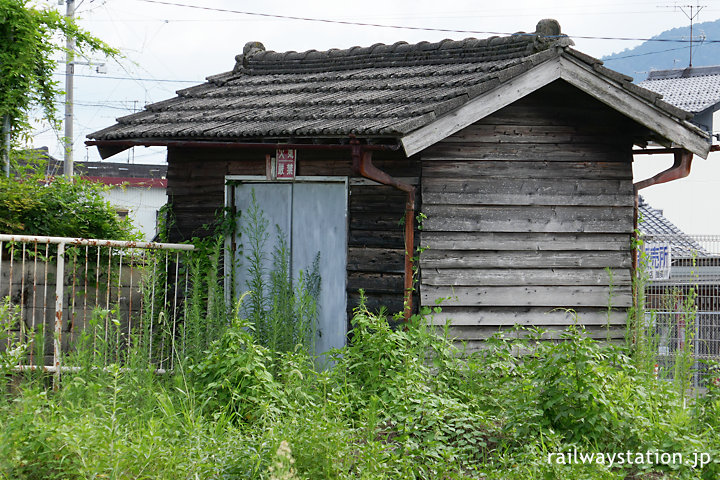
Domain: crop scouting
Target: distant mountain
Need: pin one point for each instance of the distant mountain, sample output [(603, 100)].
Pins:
[(637, 62)]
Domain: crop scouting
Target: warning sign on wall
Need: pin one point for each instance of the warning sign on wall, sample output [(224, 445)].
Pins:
[(285, 164)]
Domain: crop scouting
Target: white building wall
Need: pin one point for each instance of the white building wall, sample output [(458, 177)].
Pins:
[(142, 204)]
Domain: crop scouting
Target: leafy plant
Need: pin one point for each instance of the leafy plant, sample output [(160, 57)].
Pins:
[(31, 204), (27, 59), (235, 375), (12, 345), (283, 312)]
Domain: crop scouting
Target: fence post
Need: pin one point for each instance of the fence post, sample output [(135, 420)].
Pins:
[(59, 284)]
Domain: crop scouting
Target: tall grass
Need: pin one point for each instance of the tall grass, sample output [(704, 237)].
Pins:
[(282, 310), (399, 403), (651, 327)]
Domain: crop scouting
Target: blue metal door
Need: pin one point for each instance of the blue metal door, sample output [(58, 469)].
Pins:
[(313, 217)]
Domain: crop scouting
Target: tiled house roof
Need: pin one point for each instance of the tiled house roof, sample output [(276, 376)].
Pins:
[(382, 92), (110, 173), (694, 89), (655, 225)]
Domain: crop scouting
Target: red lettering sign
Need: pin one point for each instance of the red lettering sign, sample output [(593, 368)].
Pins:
[(285, 164)]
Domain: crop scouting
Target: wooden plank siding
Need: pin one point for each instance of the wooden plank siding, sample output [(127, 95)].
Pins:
[(525, 211), (375, 255), (376, 241)]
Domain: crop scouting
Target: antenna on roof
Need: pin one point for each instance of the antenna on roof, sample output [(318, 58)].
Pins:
[(694, 12)]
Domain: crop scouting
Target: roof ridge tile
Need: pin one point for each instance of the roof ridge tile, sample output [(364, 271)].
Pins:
[(259, 61)]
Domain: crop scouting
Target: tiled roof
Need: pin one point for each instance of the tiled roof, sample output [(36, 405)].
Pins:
[(54, 166), (382, 91), (655, 226), (694, 89)]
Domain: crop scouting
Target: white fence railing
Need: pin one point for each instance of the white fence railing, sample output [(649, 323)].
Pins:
[(56, 291)]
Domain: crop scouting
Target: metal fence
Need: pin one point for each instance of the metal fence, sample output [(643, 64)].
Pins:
[(682, 298), (57, 293)]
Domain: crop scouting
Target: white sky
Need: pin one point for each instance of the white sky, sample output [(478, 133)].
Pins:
[(163, 42)]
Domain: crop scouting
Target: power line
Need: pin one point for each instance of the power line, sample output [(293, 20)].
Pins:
[(401, 27), (644, 54), (101, 105), (138, 79), (432, 16)]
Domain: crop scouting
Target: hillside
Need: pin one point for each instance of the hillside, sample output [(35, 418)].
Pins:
[(652, 55)]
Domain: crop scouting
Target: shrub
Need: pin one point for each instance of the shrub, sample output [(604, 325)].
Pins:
[(31, 204), (235, 376)]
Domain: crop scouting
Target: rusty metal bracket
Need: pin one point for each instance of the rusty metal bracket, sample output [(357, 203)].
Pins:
[(362, 165)]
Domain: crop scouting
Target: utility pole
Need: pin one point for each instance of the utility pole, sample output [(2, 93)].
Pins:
[(5, 155), (69, 83)]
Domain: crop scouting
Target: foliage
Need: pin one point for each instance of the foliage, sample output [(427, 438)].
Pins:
[(283, 315), (27, 48), (13, 348), (398, 403), (235, 377), (30, 204)]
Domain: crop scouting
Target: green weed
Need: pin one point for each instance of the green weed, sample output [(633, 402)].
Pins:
[(399, 402)]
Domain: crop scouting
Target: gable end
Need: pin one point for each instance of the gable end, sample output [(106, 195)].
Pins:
[(617, 94)]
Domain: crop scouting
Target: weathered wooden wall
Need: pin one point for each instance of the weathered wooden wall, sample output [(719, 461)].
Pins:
[(526, 209), (375, 260)]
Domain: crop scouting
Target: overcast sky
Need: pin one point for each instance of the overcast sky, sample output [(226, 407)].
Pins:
[(168, 47)]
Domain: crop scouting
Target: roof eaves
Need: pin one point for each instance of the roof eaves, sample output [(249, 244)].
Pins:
[(409, 125), (479, 106), (649, 95), (581, 71), (617, 76), (632, 101), (672, 109), (583, 57)]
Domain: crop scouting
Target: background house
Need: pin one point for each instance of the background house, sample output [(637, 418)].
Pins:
[(517, 150), (694, 89), (139, 191)]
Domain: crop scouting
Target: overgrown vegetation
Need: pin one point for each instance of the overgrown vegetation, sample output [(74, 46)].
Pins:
[(398, 403), (31, 204), (29, 41)]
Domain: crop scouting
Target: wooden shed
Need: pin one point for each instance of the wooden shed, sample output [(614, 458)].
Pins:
[(518, 151)]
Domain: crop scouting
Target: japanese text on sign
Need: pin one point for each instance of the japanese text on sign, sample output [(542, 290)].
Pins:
[(658, 260), (285, 164)]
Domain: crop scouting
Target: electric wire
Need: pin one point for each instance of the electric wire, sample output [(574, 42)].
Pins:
[(609, 59), (402, 27), (132, 78)]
